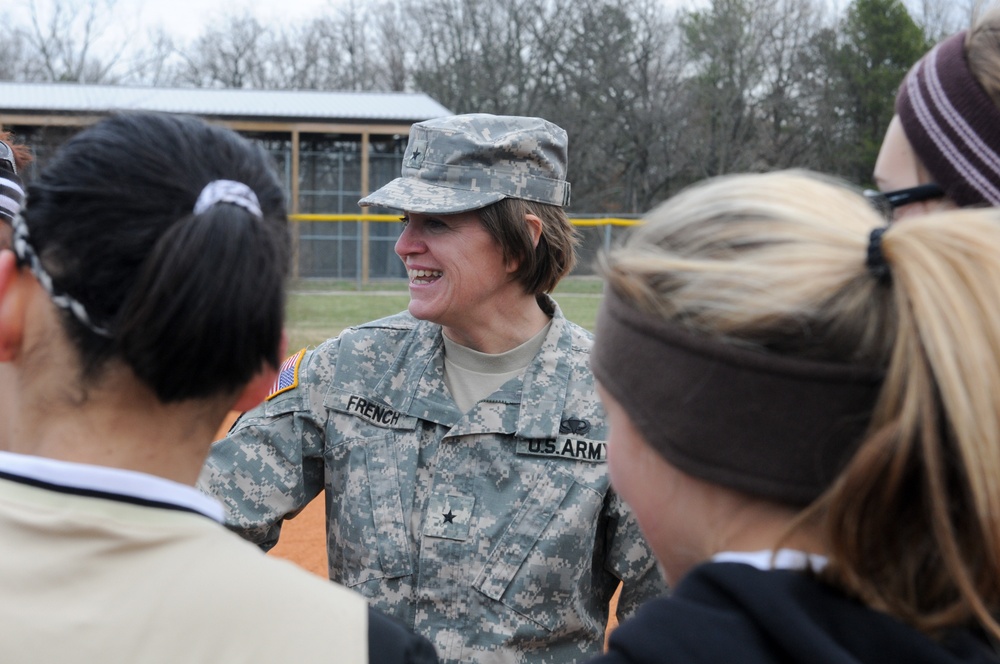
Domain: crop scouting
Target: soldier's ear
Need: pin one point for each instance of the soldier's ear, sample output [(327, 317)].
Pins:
[(534, 227), (535, 230)]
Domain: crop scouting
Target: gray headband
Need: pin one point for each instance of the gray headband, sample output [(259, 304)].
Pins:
[(769, 425), (215, 192), (25, 252)]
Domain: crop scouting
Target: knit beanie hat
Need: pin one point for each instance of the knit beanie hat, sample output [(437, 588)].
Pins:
[(952, 124)]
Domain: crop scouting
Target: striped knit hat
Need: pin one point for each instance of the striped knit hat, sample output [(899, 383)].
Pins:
[(953, 124), (11, 194)]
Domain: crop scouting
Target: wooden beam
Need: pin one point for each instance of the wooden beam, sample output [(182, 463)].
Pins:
[(365, 230), (294, 193), (359, 129)]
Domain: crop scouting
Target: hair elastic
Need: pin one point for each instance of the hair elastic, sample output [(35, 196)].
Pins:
[(24, 251), (228, 191), (875, 261)]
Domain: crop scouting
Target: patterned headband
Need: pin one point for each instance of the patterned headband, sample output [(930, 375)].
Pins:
[(952, 124), (217, 191), (24, 251)]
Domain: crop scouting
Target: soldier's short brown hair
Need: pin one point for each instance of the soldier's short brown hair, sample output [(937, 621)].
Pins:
[(541, 266)]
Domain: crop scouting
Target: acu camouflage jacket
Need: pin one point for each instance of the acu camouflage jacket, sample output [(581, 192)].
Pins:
[(494, 533)]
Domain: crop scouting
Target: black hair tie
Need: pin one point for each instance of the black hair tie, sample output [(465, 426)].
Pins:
[(876, 259)]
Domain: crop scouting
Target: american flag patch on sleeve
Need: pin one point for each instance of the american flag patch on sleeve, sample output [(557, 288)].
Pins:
[(288, 375)]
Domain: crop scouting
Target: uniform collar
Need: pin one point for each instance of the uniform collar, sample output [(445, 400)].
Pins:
[(413, 382)]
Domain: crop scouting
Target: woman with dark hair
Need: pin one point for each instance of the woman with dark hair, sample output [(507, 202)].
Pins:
[(143, 300)]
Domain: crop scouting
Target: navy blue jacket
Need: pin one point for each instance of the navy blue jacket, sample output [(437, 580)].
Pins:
[(733, 612)]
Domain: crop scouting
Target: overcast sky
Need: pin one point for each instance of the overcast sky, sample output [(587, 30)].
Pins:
[(187, 18), (182, 19)]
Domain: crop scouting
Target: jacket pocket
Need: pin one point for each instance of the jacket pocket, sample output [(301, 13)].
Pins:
[(367, 539), (538, 565)]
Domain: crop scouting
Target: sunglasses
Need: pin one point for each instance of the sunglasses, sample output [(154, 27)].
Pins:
[(887, 201)]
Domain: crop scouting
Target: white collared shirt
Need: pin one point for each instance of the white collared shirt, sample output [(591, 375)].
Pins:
[(769, 559), (116, 481)]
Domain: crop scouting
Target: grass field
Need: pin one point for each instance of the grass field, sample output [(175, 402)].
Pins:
[(319, 308)]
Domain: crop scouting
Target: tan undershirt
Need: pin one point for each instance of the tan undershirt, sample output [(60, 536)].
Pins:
[(472, 376)]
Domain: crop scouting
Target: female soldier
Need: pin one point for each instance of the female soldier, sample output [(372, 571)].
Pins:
[(460, 444), (144, 298), (803, 417)]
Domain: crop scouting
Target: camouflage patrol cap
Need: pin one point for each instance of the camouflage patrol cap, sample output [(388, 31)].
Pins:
[(466, 162)]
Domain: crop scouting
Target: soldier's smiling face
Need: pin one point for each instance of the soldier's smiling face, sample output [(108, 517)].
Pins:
[(457, 273)]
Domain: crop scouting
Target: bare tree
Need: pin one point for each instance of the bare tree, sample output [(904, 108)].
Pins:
[(65, 41), (82, 41), (228, 56), (786, 108), (15, 61), (296, 58), (726, 45), (940, 18), (651, 101), (391, 36), (619, 96), (470, 52), (355, 47), (653, 115), (151, 63), (603, 70)]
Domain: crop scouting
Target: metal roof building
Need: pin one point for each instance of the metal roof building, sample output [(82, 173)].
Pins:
[(332, 147), (39, 100), (303, 117)]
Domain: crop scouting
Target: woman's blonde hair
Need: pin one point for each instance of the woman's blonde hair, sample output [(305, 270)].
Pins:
[(982, 50), (778, 262)]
